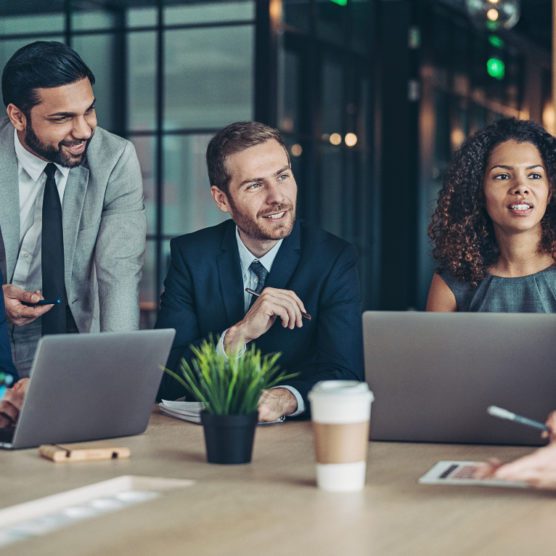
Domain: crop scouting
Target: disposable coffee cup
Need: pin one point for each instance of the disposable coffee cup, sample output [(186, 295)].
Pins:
[(341, 411)]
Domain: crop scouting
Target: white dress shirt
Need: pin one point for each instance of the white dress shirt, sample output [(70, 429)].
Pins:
[(250, 281), (28, 267), (32, 180)]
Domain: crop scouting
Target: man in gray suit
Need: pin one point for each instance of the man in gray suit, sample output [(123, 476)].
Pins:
[(71, 213)]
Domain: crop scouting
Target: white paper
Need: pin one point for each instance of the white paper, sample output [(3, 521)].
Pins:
[(191, 411), (187, 411)]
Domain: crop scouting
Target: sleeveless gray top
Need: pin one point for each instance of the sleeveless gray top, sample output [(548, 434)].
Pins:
[(535, 293)]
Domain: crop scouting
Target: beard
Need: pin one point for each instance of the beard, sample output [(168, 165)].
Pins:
[(266, 229), (53, 154)]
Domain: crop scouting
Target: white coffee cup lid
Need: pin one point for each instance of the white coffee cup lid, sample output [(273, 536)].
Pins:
[(341, 388)]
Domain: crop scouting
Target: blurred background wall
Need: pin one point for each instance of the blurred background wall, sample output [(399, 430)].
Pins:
[(372, 96)]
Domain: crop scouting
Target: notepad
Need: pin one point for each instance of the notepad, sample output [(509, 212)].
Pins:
[(187, 411), (191, 411)]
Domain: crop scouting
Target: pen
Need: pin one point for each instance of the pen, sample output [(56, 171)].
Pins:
[(505, 414), (253, 292)]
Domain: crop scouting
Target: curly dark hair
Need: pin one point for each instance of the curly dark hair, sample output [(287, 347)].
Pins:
[(461, 231)]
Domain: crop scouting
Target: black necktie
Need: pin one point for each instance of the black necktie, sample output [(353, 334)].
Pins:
[(52, 256), (261, 273)]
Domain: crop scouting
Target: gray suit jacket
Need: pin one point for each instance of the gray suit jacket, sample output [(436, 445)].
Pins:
[(104, 230)]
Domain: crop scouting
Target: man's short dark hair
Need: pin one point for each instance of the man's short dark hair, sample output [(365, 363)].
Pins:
[(40, 64), (233, 139)]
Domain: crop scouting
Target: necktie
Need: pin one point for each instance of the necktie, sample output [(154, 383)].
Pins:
[(52, 256), (261, 273)]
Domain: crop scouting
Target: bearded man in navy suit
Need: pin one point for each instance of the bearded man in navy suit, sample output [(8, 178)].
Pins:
[(294, 268)]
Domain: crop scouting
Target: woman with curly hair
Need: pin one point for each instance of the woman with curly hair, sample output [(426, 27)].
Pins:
[(494, 228)]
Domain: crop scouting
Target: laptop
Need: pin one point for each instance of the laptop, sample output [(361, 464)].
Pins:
[(90, 386), (434, 375)]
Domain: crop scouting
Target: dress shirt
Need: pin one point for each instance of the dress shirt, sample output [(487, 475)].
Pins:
[(250, 281), (28, 270), (32, 180)]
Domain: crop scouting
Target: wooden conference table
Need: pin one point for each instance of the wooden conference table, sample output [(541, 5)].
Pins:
[(272, 507)]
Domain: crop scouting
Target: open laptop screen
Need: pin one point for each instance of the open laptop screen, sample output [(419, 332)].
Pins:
[(435, 374)]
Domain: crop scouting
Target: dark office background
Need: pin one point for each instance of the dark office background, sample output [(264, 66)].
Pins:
[(372, 96)]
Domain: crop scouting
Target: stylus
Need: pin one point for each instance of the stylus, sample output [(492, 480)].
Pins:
[(505, 414)]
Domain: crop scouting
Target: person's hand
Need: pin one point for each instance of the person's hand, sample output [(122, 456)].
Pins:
[(18, 313), (11, 403), (276, 403), (537, 469), (273, 303), (487, 469), (551, 424)]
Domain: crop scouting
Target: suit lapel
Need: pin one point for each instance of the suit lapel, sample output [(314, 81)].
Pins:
[(9, 207), (74, 197), (231, 280), (286, 260)]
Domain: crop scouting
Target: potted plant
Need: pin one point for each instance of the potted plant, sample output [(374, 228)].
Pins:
[(229, 388)]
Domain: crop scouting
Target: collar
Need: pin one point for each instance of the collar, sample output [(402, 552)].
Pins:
[(31, 163), (246, 257)]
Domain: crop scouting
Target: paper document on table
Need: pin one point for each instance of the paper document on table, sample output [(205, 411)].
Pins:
[(461, 473), (191, 411), (187, 411)]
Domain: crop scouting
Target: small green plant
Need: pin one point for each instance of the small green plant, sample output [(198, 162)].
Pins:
[(229, 385)]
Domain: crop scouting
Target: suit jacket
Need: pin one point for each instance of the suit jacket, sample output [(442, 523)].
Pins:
[(204, 294), (6, 362), (104, 230)]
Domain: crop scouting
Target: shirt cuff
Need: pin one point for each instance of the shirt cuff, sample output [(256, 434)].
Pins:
[(220, 346), (300, 403)]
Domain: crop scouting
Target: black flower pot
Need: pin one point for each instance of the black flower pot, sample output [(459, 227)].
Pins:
[(229, 438)]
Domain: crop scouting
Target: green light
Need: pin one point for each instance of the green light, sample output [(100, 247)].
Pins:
[(340, 2), (495, 41), (496, 68), (492, 25)]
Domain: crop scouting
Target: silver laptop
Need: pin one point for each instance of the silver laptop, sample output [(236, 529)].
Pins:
[(434, 375), (90, 386)]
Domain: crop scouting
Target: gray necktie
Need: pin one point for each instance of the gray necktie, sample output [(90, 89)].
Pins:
[(261, 273)]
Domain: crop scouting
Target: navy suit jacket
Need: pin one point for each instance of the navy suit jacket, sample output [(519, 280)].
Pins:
[(6, 362), (204, 294)]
